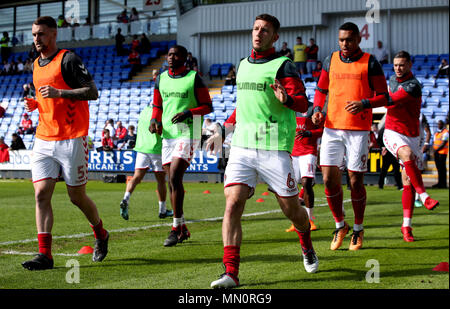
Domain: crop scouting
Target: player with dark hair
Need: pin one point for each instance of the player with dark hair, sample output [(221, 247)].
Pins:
[(180, 99), (355, 83), (269, 91), (64, 87), (304, 160), (402, 136)]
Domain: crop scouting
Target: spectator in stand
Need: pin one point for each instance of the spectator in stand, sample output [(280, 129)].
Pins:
[(20, 66), (145, 44), (165, 65), (87, 22), (373, 135), (316, 72), (191, 62), (300, 56), (311, 55), (155, 74), (135, 43), (134, 15), (62, 22), (130, 139), (207, 129), (26, 125), (33, 53), (17, 142), (134, 59), (13, 67), (2, 111), (107, 142), (285, 51), (28, 66), (121, 133), (109, 124), (123, 17), (381, 53), (5, 49), (28, 91), (230, 79), (6, 70), (120, 39), (4, 152), (443, 69)]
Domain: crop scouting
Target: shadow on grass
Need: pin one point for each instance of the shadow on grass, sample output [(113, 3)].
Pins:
[(354, 275)]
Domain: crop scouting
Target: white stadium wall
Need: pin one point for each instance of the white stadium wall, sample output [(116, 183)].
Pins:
[(222, 33)]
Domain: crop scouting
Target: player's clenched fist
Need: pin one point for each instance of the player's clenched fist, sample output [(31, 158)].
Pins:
[(30, 104), (317, 118), (155, 127), (49, 92)]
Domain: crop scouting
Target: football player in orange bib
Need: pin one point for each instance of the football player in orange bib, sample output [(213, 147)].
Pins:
[(355, 83), (63, 87)]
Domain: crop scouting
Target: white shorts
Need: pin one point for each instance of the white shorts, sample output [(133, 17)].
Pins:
[(351, 145), (304, 166), (273, 167), (394, 141), (68, 156), (145, 161), (183, 148)]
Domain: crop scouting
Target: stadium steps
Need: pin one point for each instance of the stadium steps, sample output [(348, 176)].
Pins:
[(214, 86), (146, 73)]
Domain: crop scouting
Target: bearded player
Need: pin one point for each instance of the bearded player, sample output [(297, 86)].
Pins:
[(63, 87)]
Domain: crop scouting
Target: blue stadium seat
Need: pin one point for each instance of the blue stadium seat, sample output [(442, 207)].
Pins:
[(211, 116), (221, 115), (225, 68), (444, 102), (217, 98), (437, 92), (218, 106), (432, 101), (214, 70), (230, 105)]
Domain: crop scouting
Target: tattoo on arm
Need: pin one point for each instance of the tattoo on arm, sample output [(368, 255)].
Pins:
[(87, 92)]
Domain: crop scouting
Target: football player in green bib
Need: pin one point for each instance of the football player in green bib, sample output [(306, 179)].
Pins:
[(148, 155), (269, 92), (180, 99)]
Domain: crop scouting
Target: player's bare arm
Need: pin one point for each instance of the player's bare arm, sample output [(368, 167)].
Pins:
[(87, 92)]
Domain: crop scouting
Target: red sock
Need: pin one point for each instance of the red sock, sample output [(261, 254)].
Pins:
[(99, 231), (231, 259), (300, 195), (45, 244), (408, 197), (334, 198), (359, 204), (414, 175), (305, 240)]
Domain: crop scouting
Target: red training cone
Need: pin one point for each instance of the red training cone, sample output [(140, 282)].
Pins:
[(443, 266), (260, 200), (86, 250), (265, 193), (206, 192)]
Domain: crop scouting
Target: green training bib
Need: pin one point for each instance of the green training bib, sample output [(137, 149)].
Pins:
[(262, 121), (178, 95), (147, 142)]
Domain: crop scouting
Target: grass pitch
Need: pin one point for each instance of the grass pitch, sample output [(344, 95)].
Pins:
[(270, 257)]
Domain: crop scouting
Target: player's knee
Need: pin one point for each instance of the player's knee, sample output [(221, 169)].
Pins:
[(42, 197)]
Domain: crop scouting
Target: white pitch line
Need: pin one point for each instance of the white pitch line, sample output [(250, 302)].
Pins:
[(12, 252), (139, 228)]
